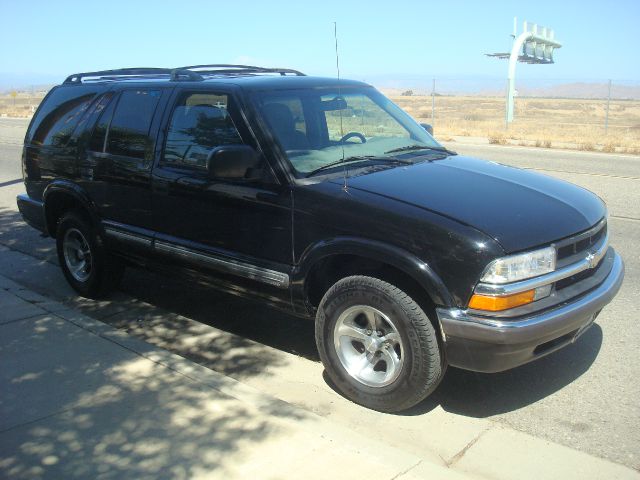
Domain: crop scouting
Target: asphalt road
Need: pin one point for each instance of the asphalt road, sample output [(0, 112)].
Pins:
[(584, 396)]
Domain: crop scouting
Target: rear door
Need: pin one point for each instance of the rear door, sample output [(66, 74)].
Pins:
[(120, 155)]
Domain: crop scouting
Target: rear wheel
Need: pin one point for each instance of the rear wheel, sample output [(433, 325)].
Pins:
[(86, 264), (378, 346)]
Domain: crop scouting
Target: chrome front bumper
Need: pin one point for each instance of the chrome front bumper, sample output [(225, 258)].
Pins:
[(487, 344)]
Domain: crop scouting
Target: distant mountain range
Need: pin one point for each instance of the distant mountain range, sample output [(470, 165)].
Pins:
[(495, 87), (583, 90)]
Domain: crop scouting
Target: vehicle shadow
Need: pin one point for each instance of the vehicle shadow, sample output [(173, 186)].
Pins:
[(240, 316), (482, 395)]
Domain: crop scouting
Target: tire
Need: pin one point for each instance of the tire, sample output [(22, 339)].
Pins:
[(78, 244), (362, 364)]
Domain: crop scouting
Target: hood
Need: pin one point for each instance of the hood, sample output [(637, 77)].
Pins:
[(518, 208)]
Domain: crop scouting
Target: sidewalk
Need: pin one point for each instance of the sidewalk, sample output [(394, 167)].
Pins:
[(83, 400)]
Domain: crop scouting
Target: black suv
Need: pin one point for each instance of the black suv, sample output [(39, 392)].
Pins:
[(320, 197)]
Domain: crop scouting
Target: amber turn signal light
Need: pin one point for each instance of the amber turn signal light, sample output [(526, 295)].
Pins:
[(495, 304)]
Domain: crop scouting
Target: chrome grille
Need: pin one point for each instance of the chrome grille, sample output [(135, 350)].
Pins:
[(577, 248)]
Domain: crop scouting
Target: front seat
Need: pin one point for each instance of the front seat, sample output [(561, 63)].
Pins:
[(283, 124)]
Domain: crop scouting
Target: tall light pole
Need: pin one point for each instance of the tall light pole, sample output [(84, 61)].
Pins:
[(534, 45)]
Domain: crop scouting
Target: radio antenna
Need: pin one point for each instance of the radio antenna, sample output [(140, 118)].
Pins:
[(344, 166)]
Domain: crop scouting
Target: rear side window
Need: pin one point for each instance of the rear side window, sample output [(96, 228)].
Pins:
[(199, 123), (129, 129), (56, 120)]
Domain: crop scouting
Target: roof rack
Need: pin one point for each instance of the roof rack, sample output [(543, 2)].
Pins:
[(193, 72), (226, 69)]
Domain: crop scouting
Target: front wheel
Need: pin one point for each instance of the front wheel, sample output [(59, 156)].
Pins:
[(86, 264), (378, 346)]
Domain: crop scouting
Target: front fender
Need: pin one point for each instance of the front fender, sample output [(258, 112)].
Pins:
[(399, 258)]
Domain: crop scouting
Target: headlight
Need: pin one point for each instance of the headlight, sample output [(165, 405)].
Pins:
[(521, 266)]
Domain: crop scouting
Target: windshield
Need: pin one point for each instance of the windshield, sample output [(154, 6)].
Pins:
[(318, 128)]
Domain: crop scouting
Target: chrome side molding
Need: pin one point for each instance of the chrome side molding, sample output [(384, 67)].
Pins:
[(249, 271), (127, 237), (245, 270)]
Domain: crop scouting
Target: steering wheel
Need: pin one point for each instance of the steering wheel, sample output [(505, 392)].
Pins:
[(349, 135)]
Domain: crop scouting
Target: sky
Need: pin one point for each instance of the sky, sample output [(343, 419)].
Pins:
[(47, 40)]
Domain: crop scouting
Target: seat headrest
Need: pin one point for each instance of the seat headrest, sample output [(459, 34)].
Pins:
[(279, 116)]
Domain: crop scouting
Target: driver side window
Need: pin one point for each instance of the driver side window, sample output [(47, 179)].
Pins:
[(199, 123)]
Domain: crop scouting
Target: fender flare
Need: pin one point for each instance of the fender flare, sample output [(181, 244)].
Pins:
[(397, 257), (71, 189)]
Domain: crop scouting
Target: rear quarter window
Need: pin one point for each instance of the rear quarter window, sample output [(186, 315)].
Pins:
[(58, 115)]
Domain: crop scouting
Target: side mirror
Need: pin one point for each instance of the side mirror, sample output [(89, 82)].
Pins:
[(232, 161), (428, 128)]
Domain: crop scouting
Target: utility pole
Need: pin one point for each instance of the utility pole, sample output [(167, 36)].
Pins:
[(606, 115)]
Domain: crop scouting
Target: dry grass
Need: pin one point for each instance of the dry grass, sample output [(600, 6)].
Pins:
[(587, 146), (23, 105), (497, 138), (541, 122), (544, 143)]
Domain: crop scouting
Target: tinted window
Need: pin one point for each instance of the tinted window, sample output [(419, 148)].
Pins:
[(294, 105), (129, 130), (104, 109), (199, 123), (286, 117), (59, 113), (57, 127)]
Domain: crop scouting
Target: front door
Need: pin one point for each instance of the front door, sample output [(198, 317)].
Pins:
[(238, 229)]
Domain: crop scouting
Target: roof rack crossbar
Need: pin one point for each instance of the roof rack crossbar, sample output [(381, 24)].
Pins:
[(77, 77), (193, 72)]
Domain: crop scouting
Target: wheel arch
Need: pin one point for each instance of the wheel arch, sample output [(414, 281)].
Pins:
[(59, 197), (326, 262)]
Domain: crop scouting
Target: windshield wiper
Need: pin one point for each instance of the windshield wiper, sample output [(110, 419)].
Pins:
[(409, 148), (358, 158)]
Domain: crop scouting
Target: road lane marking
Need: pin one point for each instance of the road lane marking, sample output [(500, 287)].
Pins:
[(545, 151), (622, 217), (624, 177)]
